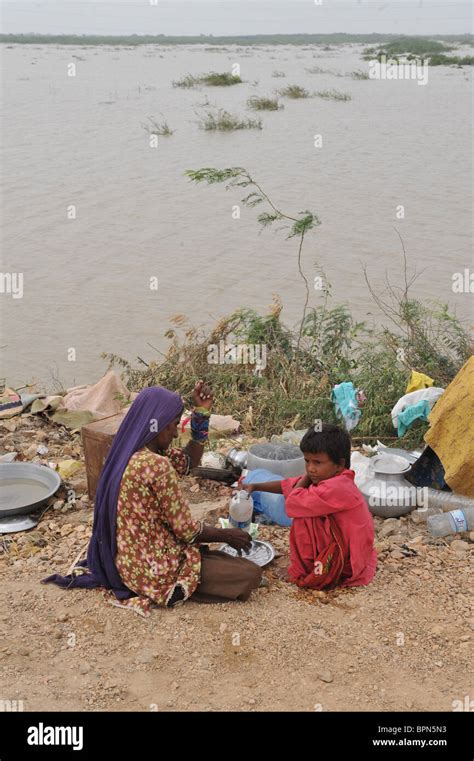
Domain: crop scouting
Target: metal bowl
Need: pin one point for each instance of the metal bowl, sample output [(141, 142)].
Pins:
[(17, 523), (25, 486), (260, 553)]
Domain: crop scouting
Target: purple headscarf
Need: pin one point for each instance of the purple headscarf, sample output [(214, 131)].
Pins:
[(153, 409)]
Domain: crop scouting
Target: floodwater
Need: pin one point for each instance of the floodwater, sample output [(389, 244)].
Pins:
[(78, 141)]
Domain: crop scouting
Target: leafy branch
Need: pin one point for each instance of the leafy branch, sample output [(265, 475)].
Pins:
[(238, 177)]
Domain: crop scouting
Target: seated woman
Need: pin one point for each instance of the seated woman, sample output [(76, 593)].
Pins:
[(145, 546)]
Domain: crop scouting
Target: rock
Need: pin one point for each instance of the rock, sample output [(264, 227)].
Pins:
[(471, 536), (36, 539), (146, 656), (398, 539), (58, 504), (79, 485), (67, 468), (389, 527), (84, 668), (252, 701), (325, 676), (62, 617), (222, 628), (459, 545), (397, 555), (174, 685)]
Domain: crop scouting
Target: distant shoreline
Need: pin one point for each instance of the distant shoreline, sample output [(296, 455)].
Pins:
[(337, 38)]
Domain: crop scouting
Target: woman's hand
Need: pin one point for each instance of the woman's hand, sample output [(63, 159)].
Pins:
[(238, 539), (202, 395), (249, 488)]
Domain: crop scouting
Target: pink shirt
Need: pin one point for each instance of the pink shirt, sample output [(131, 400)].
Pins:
[(308, 507)]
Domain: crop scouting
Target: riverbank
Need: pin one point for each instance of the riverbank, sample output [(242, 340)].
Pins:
[(402, 643)]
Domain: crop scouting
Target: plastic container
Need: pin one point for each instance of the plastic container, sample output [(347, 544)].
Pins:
[(271, 505), (284, 460), (447, 500), (453, 522), (241, 511)]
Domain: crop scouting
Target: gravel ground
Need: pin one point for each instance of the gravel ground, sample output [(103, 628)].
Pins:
[(402, 643)]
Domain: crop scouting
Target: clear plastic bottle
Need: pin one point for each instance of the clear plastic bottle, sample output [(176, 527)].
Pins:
[(241, 511), (453, 522)]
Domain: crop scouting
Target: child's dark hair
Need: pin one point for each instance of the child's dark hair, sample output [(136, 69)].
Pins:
[(331, 439)]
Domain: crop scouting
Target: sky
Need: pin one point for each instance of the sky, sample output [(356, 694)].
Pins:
[(235, 17)]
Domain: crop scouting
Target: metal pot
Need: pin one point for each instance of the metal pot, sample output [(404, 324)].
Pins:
[(388, 494), (237, 458)]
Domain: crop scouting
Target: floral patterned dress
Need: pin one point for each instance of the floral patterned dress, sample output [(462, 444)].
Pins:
[(155, 531)]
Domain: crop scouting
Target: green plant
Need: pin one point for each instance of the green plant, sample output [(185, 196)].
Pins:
[(359, 74), (157, 128), (446, 60), (225, 122), (215, 79), (263, 104), (239, 177), (418, 47), (188, 81), (295, 386), (294, 91), (333, 95)]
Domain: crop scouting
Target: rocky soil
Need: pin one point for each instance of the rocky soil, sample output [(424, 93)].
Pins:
[(403, 643)]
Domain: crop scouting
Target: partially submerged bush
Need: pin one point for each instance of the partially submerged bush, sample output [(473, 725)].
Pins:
[(157, 128), (294, 91), (359, 74), (223, 121), (188, 81), (213, 79), (333, 95), (263, 104)]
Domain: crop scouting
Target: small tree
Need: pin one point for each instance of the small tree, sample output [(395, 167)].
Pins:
[(300, 225)]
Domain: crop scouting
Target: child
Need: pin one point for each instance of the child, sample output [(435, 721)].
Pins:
[(332, 534)]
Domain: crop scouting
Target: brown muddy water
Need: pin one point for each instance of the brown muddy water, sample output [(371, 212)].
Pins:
[(79, 141)]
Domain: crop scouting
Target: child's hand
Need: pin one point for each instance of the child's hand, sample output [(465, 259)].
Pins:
[(304, 482)]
